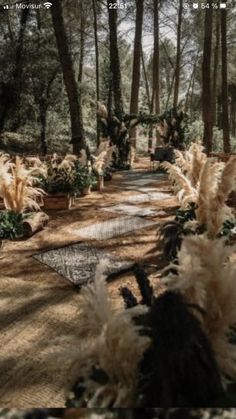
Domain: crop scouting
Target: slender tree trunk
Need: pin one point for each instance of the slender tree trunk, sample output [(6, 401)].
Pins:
[(191, 99), (215, 68), (178, 54), (136, 66), (81, 55), (206, 82), (77, 131), (190, 85), (146, 82), (43, 122), (97, 65), (170, 92), (12, 90), (155, 100), (156, 59), (115, 61), (233, 117), (225, 112)]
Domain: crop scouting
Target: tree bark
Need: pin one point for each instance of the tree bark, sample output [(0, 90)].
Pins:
[(178, 54), (155, 99), (215, 68), (77, 131), (81, 55), (97, 66), (12, 90), (136, 66), (115, 61), (206, 82), (146, 82), (156, 59), (43, 122), (225, 112)]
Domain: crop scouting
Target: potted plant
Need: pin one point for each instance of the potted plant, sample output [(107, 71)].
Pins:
[(84, 179), (102, 161), (59, 182), (19, 194)]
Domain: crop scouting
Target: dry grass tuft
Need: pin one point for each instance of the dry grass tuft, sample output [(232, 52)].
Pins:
[(115, 347), (17, 188), (206, 276)]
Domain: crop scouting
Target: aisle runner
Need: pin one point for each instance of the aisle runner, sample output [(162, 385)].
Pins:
[(131, 210), (112, 228), (78, 262), (150, 196)]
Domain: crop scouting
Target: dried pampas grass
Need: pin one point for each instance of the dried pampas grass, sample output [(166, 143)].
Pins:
[(218, 210), (191, 162), (104, 158), (114, 348), (206, 276), (17, 188), (83, 158), (186, 193)]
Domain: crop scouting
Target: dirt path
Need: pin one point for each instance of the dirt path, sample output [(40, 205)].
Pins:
[(39, 308)]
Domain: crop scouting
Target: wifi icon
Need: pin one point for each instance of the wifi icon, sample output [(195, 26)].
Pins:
[(47, 5)]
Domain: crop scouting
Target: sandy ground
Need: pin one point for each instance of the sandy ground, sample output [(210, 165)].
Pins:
[(39, 309)]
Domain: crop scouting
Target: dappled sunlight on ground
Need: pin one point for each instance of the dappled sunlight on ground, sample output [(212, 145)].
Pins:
[(39, 309)]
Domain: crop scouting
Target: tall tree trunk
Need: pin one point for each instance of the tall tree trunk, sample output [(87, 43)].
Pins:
[(97, 65), (81, 48), (77, 131), (215, 68), (191, 82), (43, 122), (178, 54), (225, 112), (206, 82), (115, 61), (136, 66), (156, 58), (155, 100), (146, 82), (12, 90)]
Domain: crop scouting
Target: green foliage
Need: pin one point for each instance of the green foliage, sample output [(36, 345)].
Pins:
[(11, 225), (83, 177), (183, 215)]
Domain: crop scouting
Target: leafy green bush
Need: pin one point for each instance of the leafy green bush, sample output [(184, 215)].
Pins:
[(11, 225), (84, 177), (58, 180)]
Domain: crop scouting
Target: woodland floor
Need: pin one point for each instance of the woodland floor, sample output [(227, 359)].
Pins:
[(39, 309)]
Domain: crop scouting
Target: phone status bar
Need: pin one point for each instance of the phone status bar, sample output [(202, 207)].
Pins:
[(202, 6)]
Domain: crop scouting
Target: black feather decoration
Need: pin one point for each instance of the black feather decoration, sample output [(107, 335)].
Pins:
[(179, 367), (143, 282), (128, 297)]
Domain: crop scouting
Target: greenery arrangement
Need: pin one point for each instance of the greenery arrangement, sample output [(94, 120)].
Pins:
[(202, 186), (19, 195), (60, 175), (11, 225), (84, 177)]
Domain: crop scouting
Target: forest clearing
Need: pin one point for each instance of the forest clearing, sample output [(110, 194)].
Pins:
[(117, 209)]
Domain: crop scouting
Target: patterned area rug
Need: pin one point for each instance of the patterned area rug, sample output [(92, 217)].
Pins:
[(151, 196), (144, 189), (78, 262), (112, 228), (131, 210), (140, 182)]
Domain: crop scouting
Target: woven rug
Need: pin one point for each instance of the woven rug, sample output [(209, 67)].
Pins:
[(131, 210), (112, 228), (145, 197), (78, 262)]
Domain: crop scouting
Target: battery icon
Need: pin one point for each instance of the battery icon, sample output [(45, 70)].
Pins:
[(222, 5)]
